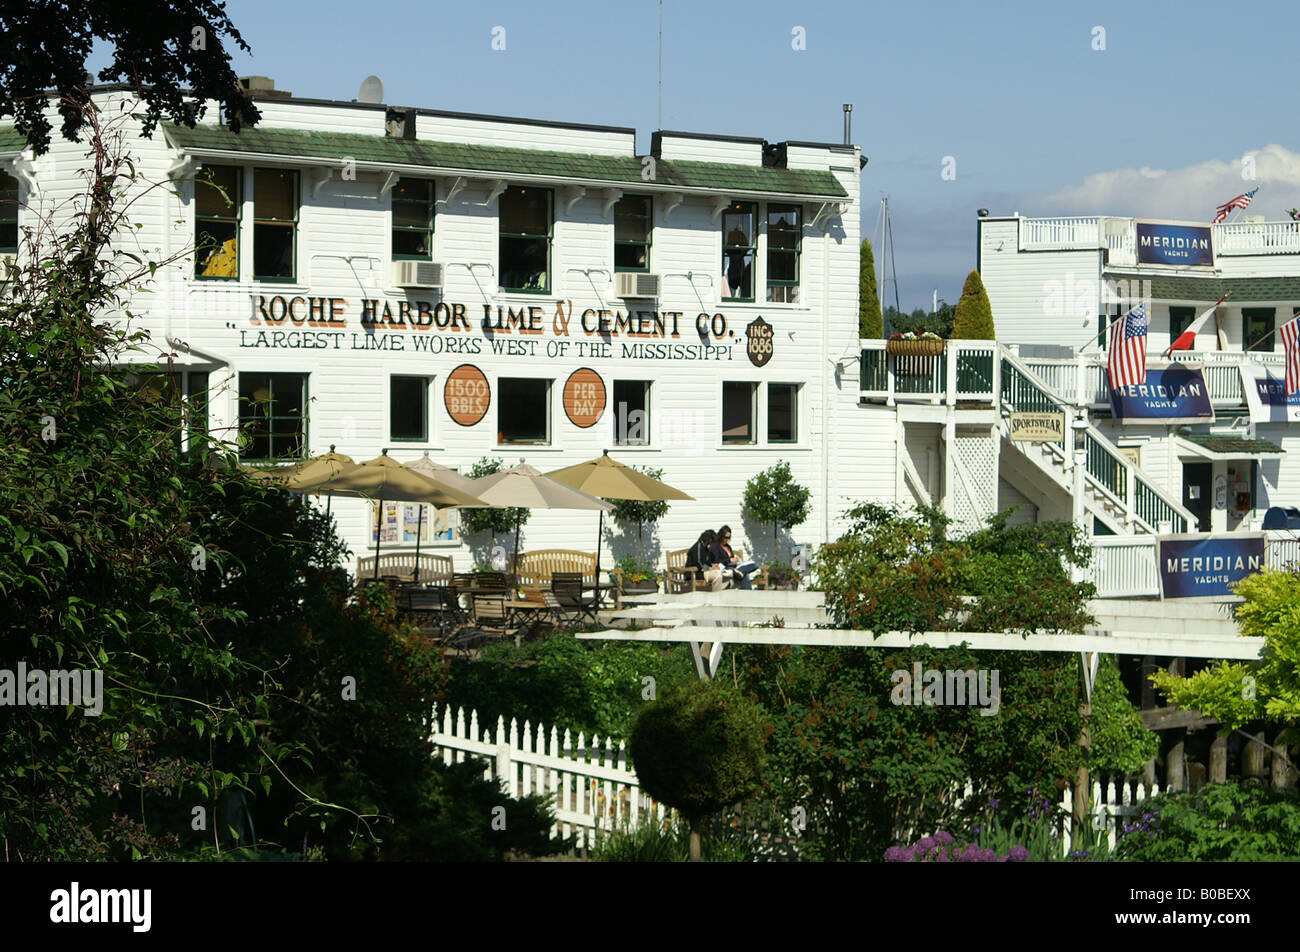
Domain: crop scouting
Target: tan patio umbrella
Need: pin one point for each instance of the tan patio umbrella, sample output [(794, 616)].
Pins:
[(306, 475), (609, 479), (448, 477), (384, 478), (526, 488)]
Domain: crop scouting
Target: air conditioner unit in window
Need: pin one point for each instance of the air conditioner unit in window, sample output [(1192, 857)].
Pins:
[(417, 274), (636, 284)]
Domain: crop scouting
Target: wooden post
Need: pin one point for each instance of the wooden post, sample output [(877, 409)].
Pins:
[(1175, 764), (1253, 756), (1219, 760), (1148, 689), (1284, 774)]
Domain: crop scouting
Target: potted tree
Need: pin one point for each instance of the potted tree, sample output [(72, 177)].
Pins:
[(637, 575), (774, 496)]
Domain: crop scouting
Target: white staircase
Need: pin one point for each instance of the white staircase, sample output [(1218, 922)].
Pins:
[(1116, 491)]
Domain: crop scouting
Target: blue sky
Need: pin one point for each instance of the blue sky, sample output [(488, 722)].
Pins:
[(1035, 118)]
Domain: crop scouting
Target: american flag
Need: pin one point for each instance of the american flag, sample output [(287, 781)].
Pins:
[(1290, 334), (1127, 361), (1241, 201)]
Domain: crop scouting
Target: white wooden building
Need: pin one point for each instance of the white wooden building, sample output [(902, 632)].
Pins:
[(426, 282)]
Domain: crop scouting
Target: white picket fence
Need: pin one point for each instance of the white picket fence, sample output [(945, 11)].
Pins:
[(592, 788), (594, 791)]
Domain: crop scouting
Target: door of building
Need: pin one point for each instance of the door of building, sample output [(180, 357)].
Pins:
[(1198, 492)]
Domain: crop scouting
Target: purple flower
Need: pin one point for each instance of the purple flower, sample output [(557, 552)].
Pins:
[(977, 829), (1079, 854), (943, 837), (896, 854), (993, 804), (1018, 854), (925, 844)]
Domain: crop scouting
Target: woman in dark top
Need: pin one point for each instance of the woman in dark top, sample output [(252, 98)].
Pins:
[(723, 554), (700, 557)]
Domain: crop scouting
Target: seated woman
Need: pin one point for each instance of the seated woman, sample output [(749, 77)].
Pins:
[(700, 558), (730, 559)]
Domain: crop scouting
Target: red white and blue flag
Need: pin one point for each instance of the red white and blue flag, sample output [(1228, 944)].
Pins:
[(1241, 201), (1187, 338), (1127, 361), (1290, 334)]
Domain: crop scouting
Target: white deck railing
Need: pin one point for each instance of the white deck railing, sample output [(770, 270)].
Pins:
[(1119, 237), (1125, 566)]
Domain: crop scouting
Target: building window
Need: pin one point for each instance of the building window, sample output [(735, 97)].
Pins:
[(631, 412), (739, 412), (784, 241), (413, 219), (525, 243), (8, 213), (632, 224), (783, 413), (739, 248), (272, 415), (275, 223), (1257, 324), (523, 410), (1180, 318), (218, 199), (408, 408)]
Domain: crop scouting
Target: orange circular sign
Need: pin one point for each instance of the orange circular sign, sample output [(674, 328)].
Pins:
[(467, 395), (584, 398)]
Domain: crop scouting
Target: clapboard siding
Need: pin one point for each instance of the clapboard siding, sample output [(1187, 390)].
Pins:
[(844, 452)]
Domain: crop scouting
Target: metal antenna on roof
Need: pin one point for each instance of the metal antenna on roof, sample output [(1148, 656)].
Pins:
[(661, 65)]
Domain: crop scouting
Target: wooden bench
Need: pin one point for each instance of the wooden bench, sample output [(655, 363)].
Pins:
[(433, 568), (682, 577), (536, 568)]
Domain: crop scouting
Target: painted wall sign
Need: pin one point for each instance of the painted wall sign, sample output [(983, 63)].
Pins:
[(550, 330), (758, 342), (1196, 566), (1173, 394), (584, 398), (1266, 396), (1172, 243), (1038, 427), (467, 395)]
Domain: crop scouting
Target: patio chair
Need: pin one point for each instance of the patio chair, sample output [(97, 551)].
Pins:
[(492, 582), (567, 588), (492, 618), (428, 606)]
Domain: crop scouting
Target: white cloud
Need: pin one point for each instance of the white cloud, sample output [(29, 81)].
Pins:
[(1190, 193)]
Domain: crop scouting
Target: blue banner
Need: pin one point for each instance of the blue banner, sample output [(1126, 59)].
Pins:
[(1188, 246), (1267, 397), (1173, 394), (1206, 566)]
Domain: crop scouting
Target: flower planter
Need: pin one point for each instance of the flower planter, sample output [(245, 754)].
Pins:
[(638, 588), (915, 348)]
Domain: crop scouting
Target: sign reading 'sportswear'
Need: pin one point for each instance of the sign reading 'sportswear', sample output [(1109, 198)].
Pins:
[(1163, 242), (1173, 394), (1194, 566)]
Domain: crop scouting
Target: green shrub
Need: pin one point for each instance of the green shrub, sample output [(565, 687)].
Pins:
[(973, 319), (1242, 822)]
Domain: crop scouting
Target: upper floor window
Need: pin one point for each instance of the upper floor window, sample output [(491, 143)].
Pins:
[(272, 415), (275, 223), (631, 412), (408, 408), (218, 199), (1258, 323), (1180, 318), (525, 239), (784, 241), (8, 213), (413, 219), (632, 223), (739, 411), (739, 249), (523, 410)]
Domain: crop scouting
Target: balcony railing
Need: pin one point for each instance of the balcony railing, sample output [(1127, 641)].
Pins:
[(1119, 237), (1125, 566), (966, 372), (1082, 381)]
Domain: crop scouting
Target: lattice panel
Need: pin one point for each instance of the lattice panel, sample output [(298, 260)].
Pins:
[(976, 495)]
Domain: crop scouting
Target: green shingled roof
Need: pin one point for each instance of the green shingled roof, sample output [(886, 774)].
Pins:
[(493, 159), (1242, 290), (11, 140), (1221, 443)]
